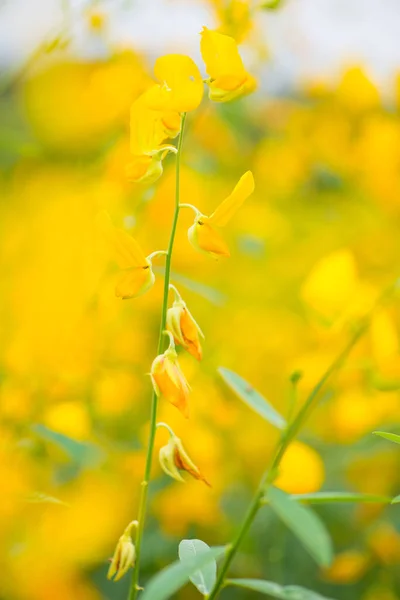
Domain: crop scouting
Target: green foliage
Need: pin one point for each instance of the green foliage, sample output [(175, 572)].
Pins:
[(288, 592), (252, 398), (304, 524), (204, 579), (172, 578)]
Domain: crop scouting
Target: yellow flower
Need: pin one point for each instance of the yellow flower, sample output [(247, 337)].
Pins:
[(183, 327), (174, 458), (169, 381), (181, 84), (137, 276), (228, 76), (149, 128), (301, 470), (202, 234), (124, 555)]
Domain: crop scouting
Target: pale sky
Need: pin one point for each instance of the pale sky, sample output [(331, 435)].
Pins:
[(306, 38)]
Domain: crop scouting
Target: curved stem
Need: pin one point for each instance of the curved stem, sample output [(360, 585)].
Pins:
[(271, 473), (134, 588)]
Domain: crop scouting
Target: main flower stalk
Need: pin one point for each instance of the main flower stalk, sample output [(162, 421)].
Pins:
[(135, 588)]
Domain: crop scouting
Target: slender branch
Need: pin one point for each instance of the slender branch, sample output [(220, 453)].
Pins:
[(134, 588), (270, 474)]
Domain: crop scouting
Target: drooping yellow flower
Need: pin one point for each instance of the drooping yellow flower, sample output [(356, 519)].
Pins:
[(203, 234), (174, 458), (124, 555), (169, 381), (181, 85), (183, 327), (228, 76), (149, 129), (137, 276)]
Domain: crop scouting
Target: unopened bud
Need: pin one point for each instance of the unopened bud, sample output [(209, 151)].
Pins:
[(174, 458), (183, 327), (169, 381), (124, 555)]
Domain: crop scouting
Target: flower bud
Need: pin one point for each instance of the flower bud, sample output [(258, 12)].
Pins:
[(144, 169), (124, 555), (169, 381), (184, 328), (174, 458)]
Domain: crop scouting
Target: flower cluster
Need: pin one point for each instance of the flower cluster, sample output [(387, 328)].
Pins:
[(157, 117)]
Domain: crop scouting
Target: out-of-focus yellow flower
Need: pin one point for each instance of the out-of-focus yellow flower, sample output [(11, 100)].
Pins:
[(169, 380), (137, 277), (181, 84), (124, 555), (384, 541), (301, 470), (228, 76), (174, 458), (183, 327), (235, 17), (357, 92), (70, 418), (202, 234), (348, 567), (331, 283)]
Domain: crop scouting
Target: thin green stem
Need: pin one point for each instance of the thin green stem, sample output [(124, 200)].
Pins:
[(134, 588), (271, 473)]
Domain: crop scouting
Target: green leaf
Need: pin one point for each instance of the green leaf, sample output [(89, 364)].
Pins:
[(338, 497), (173, 577), (288, 592), (304, 524), (396, 500), (392, 437), (82, 453), (204, 579), (271, 4), (252, 398), (39, 497)]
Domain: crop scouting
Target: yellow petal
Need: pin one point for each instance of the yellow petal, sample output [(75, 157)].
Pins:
[(205, 238), (126, 250), (134, 282), (144, 169), (222, 59), (232, 203), (149, 126), (181, 84)]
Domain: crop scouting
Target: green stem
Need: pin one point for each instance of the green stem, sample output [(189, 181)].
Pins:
[(270, 474), (134, 588)]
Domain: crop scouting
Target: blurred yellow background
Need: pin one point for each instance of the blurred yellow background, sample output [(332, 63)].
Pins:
[(312, 249)]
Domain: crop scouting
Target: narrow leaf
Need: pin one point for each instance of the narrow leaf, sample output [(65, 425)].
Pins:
[(339, 497), (83, 453), (204, 579), (173, 577), (304, 524), (252, 398), (288, 592), (392, 437), (396, 500)]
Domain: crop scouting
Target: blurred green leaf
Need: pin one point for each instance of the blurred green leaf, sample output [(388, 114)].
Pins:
[(252, 398), (304, 524), (338, 497), (396, 500), (288, 592), (271, 4), (173, 577), (392, 437), (39, 497), (82, 453), (204, 579)]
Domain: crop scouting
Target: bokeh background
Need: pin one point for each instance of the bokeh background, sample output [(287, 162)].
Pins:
[(312, 249)]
